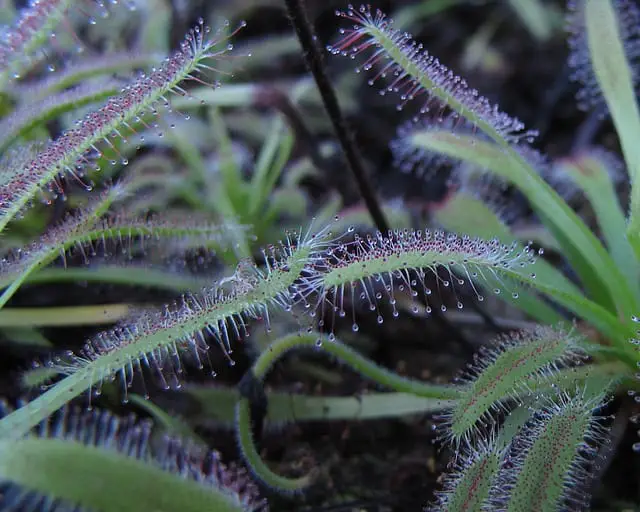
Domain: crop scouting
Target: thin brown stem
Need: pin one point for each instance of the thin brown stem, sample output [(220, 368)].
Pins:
[(314, 59)]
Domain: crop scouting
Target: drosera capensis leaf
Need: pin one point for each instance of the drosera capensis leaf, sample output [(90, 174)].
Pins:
[(462, 212), (377, 267), (27, 117), (69, 152), (467, 486), (85, 229), (549, 470), (357, 266), (604, 38), (76, 235), (499, 371), (415, 74), (110, 464), (487, 155), (79, 71), (154, 339), (34, 26)]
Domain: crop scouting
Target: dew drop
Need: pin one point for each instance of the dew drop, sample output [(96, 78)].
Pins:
[(355, 328)]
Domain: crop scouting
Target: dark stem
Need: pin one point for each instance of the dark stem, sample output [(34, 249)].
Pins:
[(314, 59)]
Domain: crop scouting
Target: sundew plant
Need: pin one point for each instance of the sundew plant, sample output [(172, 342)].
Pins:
[(128, 164)]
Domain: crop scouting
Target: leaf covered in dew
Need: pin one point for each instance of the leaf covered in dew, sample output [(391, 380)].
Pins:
[(30, 115), (110, 464), (552, 456), (68, 154), (155, 339), (468, 485), (414, 73), (78, 71), (499, 371), (462, 211), (86, 232), (378, 267), (422, 145), (486, 155)]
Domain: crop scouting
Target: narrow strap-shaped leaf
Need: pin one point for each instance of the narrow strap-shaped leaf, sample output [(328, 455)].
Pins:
[(403, 258), (79, 71), (30, 31), (608, 278), (75, 234), (592, 172), (602, 21), (27, 117), (67, 152)]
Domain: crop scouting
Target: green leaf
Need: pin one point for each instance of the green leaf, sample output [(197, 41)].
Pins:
[(151, 336), (102, 472), (592, 172), (549, 470), (467, 487), (614, 75), (462, 212), (594, 265), (500, 371)]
